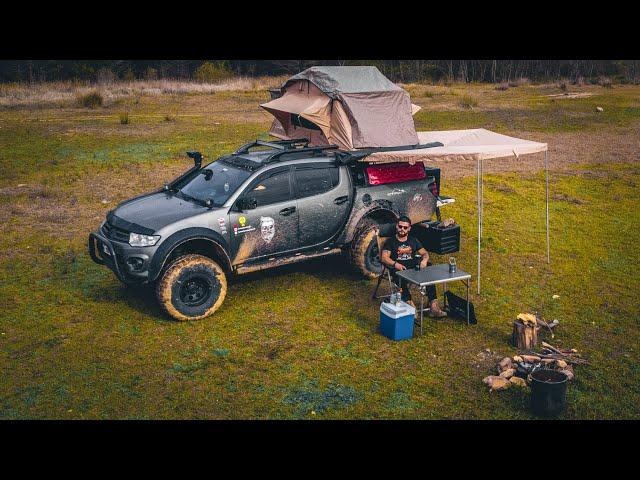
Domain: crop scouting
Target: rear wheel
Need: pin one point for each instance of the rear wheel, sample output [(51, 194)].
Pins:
[(192, 287), (365, 256)]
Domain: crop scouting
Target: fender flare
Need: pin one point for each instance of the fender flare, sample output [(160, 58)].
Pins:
[(183, 236), (376, 207)]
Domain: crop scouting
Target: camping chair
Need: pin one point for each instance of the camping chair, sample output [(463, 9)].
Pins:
[(385, 270)]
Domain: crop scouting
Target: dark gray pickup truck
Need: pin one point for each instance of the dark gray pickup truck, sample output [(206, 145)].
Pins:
[(265, 205)]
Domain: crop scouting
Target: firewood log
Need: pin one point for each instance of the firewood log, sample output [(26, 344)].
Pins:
[(524, 335), (531, 358)]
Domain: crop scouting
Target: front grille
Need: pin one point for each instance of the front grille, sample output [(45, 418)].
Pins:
[(115, 233)]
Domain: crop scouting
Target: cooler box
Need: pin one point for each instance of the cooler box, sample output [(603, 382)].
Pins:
[(396, 323)]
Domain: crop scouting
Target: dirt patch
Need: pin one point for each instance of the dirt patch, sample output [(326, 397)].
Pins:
[(570, 95), (30, 190), (563, 197)]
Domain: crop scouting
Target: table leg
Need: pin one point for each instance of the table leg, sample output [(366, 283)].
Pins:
[(421, 309), (467, 282), (444, 292)]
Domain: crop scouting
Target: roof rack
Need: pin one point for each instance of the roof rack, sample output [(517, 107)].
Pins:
[(277, 145), (274, 156), (283, 147)]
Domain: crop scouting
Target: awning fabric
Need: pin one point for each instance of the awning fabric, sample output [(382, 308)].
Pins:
[(473, 144)]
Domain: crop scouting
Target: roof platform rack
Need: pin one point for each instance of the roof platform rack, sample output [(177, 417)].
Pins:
[(276, 145), (313, 150)]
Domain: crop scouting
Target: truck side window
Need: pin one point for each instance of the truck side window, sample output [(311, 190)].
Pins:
[(313, 181), (272, 189)]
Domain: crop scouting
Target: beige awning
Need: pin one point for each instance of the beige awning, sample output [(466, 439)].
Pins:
[(476, 145), (473, 144)]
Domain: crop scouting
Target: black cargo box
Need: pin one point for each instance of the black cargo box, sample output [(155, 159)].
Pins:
[(437, 239)]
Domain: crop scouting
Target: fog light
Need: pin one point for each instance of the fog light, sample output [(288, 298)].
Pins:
[(135, 263)]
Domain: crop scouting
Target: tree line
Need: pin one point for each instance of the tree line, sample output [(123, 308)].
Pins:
[(620, 71)]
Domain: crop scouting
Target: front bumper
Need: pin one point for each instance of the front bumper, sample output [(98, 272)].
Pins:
[(116, 255)]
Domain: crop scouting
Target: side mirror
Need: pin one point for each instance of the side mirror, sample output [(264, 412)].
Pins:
[(247, 203)]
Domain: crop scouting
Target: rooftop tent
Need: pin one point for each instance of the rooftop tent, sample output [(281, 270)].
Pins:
[(352, 107)]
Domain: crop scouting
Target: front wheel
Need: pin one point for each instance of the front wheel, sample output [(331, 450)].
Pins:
[(192, 287)]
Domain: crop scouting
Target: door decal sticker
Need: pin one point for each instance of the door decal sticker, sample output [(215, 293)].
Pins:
[(238, 230), (267, 228), (223, 226)]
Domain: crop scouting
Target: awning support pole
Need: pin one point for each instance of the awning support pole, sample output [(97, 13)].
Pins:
[(479, 181), (546, 169), (481, 197)]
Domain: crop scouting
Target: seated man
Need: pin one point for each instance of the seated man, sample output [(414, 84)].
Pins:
[(398, 254)]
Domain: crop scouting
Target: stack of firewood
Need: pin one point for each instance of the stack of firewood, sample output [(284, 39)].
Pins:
[(526, 328), (515, 370)]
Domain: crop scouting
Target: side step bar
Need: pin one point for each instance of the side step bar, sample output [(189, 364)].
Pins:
[(276, 262)]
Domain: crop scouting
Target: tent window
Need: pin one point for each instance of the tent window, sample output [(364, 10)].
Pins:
[(299, 121)]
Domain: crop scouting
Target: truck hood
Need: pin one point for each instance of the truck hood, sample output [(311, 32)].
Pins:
[(155, 211)]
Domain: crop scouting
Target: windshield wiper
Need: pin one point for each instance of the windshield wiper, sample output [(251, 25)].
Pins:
[(189, 198)]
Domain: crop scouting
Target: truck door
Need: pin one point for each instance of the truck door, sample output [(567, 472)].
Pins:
[(324, 198), (271, 227)]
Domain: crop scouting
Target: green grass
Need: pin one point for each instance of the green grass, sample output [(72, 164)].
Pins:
[(75, 343)]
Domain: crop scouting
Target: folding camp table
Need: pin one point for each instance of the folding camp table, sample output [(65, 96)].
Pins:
[(434, 275)]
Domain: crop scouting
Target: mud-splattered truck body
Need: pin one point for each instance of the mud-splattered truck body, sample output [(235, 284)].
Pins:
[(252, 210)]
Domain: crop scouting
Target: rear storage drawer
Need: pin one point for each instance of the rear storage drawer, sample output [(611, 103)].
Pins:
[(438, 239)]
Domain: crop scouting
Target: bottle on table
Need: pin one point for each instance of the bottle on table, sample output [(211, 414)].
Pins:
[(452, 265)]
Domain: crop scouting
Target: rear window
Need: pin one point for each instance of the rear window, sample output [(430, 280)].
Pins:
[(395, 173), (314, 181)]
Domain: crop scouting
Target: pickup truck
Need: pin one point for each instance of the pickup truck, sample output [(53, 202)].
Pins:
[(265, 205)]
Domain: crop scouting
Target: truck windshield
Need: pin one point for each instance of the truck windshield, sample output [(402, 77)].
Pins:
[(217, 182)]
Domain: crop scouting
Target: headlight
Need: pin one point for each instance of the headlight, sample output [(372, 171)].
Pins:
[(140, 240)]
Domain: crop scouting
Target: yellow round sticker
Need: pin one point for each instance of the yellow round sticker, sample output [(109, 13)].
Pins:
[(242, 221)]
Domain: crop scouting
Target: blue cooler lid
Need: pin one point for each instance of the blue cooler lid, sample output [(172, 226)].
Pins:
[(402, 310)]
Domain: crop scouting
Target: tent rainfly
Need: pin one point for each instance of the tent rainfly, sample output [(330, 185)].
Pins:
[(475, 145), (352, 107)]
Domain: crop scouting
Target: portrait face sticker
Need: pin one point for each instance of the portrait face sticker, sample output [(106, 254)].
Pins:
[(267, 228)]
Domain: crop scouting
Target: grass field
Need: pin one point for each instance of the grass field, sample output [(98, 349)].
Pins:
[(301, 341)]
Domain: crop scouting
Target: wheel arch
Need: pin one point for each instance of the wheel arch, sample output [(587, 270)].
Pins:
[(380, 215), (200, 241)]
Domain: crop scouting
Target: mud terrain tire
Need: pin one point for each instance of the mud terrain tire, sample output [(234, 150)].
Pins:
[(192, 287), (364, 254)]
